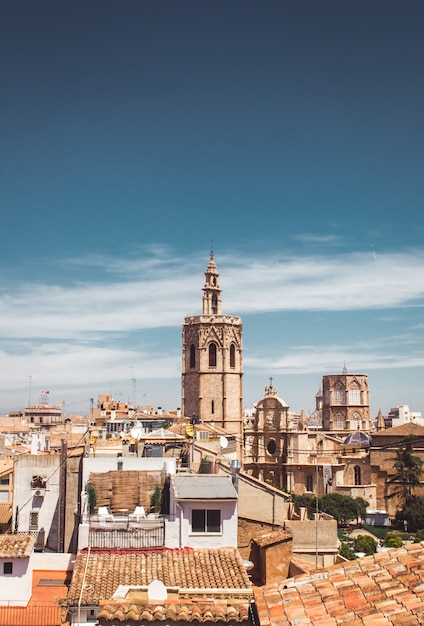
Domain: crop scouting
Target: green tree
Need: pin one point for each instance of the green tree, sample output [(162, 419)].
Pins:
[(411, 515), (91, 498), (346, 552), (365, 543), (419, 535), (408, 471), (308, 502), (343, 508), (393, 541), (156, 499)]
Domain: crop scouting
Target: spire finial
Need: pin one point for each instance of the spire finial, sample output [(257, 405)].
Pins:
[(211, 248), (344, 368)]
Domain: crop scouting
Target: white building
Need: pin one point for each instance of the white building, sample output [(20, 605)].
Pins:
[(401, 414)]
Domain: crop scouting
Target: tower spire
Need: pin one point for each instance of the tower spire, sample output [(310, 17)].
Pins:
[(212, 304)]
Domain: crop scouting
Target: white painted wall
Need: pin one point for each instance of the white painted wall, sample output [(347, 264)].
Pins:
[(27, 466), (16, 588), (182, 535)]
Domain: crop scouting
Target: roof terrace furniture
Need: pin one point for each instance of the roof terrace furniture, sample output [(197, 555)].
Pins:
[(138, 514), (104, 515)]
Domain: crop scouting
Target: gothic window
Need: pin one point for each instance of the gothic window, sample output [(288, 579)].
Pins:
[(192, 356), (309, 482), (212, 354), (355, 420), (232, 355), (354, 394), (339, 394), (339, 421), (214, 304), (357, 472)]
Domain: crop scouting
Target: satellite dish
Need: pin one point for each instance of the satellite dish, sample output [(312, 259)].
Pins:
[(223, 442), (157, 592), (136, 433)]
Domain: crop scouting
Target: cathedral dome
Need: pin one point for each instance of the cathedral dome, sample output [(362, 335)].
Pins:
[(357, 439)]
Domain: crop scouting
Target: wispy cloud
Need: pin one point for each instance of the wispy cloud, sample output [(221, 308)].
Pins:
[(159, 293), (90, 332), (311, 238)]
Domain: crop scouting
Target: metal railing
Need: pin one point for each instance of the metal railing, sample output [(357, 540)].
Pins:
[(39, 535), (149, 533)]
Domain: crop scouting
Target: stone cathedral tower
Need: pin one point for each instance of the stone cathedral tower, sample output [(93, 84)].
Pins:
[(212, 361)]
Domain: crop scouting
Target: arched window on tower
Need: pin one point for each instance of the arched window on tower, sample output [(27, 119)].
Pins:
[(357, 472), (339, 396), (355, 420), (212, 354), (192, 355), (339, 422), (232, 355), (214, 304)]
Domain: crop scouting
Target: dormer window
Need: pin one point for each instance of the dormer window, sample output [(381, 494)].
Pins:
[(206, 521)]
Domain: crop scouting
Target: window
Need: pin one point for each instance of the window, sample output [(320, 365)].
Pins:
[(206, 521), (212, 354), (355, 420), (214, 304), (192, 355), (4, 481), (271, 447), (91, 615), (309, 482), (339, 421), (7, 568), (33, 520), (354, 396), (357, 471), (339, 394), (232, 355), (213, 407)]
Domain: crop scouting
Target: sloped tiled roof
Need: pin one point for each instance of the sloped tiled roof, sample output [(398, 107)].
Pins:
[(220, 610), (276, 536), (379, 590), (16, 546), (187, 569), (34, 615), (43, 607), (5, 512)]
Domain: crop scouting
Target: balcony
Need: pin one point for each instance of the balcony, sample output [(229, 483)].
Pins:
[(125, 532)]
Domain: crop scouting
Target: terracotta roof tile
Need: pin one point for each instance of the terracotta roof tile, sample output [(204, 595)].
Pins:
[(16, 546), (204, 584), (270, 538), (34, 615), (5, 512), (386, 588)]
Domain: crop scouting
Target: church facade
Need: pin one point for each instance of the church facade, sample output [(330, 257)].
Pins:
[(212, 361)]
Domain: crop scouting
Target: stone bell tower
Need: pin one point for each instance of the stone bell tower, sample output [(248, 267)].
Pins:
[(212, 367)]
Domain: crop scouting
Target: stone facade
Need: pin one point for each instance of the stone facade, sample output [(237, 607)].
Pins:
[(265, 439), (212, 364), (345, 402)]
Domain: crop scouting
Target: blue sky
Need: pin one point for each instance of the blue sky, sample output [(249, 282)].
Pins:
[(133, 133)]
